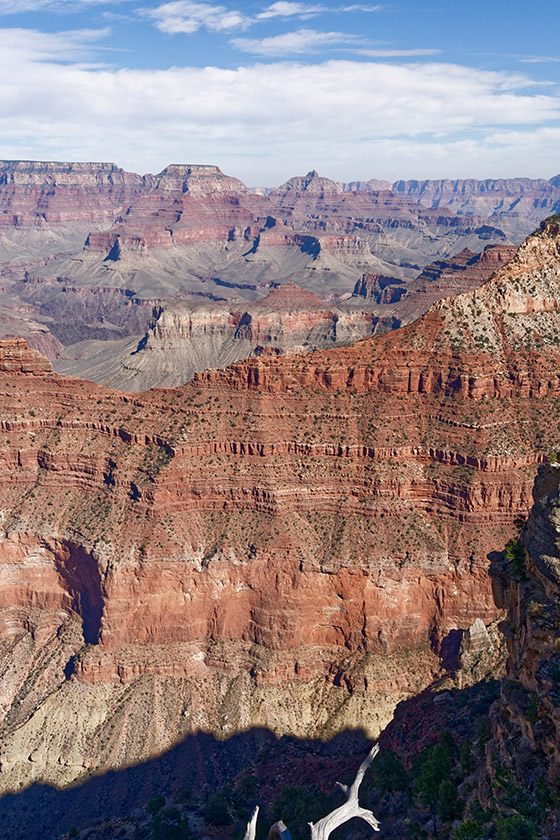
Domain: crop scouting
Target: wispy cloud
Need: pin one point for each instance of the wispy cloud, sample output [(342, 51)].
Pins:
[(357, 7), (394, 53), (188, 16), (295, 43), (265, 122), (284, 8), (304, 11), (539, 59), (11, 7), (23, 46)]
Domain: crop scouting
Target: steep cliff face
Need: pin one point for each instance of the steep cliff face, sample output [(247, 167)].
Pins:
[(37, 194), (198, 334), (463, 272), (18, 358), (497, 341), (527, 584), (287, 543)]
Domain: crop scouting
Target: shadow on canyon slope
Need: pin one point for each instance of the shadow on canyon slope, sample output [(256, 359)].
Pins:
[(204, 763), (201, 762)]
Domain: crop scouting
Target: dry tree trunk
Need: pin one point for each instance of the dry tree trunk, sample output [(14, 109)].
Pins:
[(251, 831), (322, 829)]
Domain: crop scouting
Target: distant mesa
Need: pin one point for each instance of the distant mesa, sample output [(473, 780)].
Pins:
[(290, 295)]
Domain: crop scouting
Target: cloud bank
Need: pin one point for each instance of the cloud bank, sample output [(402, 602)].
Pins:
[(265, 122)]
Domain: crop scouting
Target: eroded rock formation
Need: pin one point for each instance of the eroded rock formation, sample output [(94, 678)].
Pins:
[(286, 543), (94, 231)]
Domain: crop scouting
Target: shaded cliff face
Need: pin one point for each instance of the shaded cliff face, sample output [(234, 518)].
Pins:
[(527, 720), (288, 542)]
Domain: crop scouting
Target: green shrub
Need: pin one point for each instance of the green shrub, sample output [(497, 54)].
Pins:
[(389, 773), (168, 825), (466, 757), (469, 830), (216, 810), (515, 828), (297, 806), (533, 709), (450, 806), (155, 804), (515, 555)]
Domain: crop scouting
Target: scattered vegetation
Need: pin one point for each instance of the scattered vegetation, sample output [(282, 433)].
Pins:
[(515, 556)]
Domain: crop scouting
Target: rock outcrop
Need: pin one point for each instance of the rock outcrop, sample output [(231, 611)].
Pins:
[(34, 194), (380, 289), (17, 357), (527, 584), (197, 334)]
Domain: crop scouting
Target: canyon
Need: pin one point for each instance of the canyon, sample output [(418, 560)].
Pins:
[(292, 542), (137, 281), (271, 508)]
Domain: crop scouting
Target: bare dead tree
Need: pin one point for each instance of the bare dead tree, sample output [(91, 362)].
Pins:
[(278, 831), (322, 829), (251, 831)]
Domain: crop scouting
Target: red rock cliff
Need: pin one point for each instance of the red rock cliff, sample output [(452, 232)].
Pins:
[(283, 543)]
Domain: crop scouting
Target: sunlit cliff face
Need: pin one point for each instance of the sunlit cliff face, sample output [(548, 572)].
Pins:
[(286, 543)]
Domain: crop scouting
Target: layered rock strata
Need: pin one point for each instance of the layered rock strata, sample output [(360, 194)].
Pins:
[(286, 543), (93, 230), (516, 204)]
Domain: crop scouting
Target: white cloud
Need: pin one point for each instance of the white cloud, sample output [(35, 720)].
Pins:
[(294, 43), (390, 53), (23, 46), (357, 7), (287, 8), (11, 7), (539, 59), (188, 16), (349, 119)]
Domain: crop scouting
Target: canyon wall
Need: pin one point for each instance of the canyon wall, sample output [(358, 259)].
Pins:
[(526, 721), (288, 543), (87, 251)]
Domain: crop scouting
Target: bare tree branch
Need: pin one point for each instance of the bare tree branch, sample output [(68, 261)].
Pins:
[(322, 829), (279, 832), (251, 830)]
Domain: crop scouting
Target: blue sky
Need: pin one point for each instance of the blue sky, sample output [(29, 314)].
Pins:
[(267, 90)]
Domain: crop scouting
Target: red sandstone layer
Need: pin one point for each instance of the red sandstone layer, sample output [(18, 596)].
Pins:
[(290, 525)]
